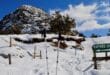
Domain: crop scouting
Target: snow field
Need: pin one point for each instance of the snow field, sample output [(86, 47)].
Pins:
[(71, 62)]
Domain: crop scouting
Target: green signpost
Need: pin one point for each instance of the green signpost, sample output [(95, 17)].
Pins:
[(100, 48)]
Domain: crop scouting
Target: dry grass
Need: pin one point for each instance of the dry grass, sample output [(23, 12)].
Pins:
[(63, 45)]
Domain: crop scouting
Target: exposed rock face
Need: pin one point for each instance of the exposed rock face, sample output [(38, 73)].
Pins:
[(26, 19)]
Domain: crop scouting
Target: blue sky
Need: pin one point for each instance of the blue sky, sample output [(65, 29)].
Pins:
[(9, 5), (85, 12)]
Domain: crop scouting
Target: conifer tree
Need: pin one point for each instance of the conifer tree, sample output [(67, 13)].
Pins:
[(61, 24)]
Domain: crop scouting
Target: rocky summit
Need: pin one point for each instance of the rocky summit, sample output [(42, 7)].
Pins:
[(24, 20)]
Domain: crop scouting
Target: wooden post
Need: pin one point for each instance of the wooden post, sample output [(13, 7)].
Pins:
[(34, 55), (95, 60), (10, 45), (9, 57), (44, 33), (75, 52), (95, 63), (40, 54), (106, 55)]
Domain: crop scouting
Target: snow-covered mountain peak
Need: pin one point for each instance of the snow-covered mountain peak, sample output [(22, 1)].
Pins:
[(25, 19), (31, 9)]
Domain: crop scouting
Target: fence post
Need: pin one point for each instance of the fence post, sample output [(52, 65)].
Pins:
[(40, 54), (75, 52), (34, 54), (10, 44), (106, 55), (9, 58)]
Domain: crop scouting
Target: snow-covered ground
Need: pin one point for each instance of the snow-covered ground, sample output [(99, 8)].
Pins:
[(71, 61)]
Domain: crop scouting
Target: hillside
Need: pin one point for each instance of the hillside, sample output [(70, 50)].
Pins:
[(25, 19), (71, 61)]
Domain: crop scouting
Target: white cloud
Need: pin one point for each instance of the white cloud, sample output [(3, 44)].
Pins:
[(87, 16), (106, 9), (90, 24), (104, 3), (81, 12), (105, 17), (105, 26)]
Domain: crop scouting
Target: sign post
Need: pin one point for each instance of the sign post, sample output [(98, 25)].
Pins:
[(10, 44), (9, 57), (100, 48)]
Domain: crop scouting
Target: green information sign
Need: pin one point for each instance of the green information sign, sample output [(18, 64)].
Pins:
[(101, 47)]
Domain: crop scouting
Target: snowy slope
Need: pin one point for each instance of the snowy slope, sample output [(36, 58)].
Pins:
[(71, 62)]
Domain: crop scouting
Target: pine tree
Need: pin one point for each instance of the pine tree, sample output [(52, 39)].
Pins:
[(61, 24), (82, 35), (94, 36), (108, 34)]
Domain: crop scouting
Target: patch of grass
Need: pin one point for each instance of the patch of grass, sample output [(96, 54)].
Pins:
[(63, 45)]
